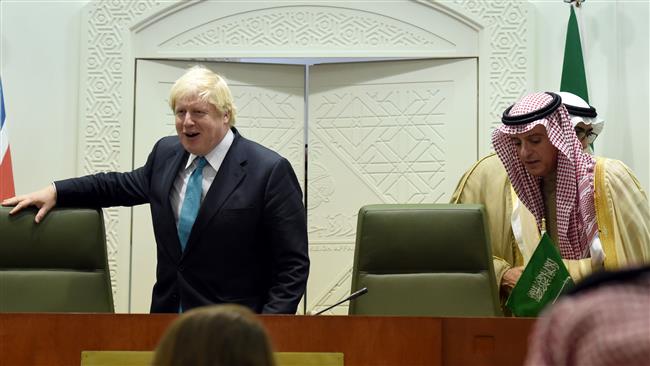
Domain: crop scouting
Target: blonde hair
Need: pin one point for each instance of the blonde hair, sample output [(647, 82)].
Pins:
[(208, 86), (216, 335)]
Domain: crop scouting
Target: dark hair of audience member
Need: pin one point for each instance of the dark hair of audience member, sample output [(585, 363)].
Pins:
[(218, 335)]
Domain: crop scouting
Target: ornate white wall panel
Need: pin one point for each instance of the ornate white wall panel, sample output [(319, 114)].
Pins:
[(381, 132), (116, 32)]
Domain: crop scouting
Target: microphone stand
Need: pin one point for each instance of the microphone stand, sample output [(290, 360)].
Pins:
[(353, 296)]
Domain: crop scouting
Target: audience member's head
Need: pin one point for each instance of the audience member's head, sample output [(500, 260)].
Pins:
[(605, 321), (219, 335)]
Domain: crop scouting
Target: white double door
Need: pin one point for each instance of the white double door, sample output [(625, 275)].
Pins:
[(372, 132)]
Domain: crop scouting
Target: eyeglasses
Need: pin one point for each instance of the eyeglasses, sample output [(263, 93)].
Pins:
[(582, 134)]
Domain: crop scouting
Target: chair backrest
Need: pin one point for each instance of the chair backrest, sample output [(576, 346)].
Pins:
[(58, 265), (424, 260)]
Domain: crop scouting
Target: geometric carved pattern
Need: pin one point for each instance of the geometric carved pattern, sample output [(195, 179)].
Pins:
[(272, 119), (403, 159), (507, 29), (308, 26), (107, 26)]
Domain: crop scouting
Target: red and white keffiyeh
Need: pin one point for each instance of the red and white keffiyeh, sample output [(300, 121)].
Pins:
[(605, 326), (576, 214)]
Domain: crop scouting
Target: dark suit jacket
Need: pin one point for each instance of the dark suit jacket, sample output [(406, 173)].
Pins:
[(248, 244)]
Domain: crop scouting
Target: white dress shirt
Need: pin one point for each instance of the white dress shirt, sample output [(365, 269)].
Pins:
[(214, 158)]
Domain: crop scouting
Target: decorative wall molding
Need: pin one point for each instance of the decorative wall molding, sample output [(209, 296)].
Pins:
[(507, 61), (307, 26)]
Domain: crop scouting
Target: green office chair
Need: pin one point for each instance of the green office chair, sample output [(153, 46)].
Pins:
[(59, 265), (424, 260)]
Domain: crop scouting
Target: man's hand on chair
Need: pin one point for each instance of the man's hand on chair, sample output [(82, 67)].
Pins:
[(44, 199)]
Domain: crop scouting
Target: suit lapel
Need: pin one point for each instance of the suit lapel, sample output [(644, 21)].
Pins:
[(230, 174), (166, 219)]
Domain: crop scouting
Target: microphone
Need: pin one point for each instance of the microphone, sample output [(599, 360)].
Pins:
[(352, 296)]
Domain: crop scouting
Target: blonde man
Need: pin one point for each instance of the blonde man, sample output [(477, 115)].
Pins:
[(227, 212)]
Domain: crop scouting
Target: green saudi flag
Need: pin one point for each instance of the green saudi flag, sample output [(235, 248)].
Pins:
[(574, 78), (542, 281)]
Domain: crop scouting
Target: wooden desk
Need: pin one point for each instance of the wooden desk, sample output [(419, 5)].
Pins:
[(58, 339)]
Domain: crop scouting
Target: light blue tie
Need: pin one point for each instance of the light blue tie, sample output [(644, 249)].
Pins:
[(191, 202)]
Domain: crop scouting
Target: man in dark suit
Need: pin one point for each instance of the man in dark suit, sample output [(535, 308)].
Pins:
[(228, 216)]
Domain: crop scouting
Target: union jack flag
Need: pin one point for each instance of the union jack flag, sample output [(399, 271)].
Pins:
[(6, 172)]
